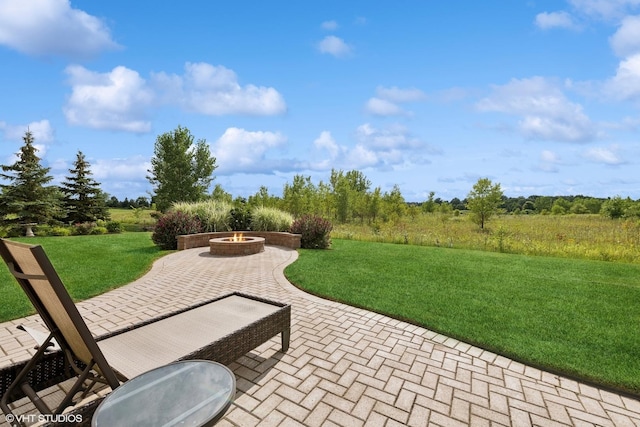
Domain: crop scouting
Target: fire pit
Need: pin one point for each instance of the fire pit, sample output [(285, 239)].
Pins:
[(236, 245)]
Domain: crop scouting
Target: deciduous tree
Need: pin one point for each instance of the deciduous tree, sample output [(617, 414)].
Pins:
[(429, 206), (484, 201), (615, 207), (180, 171), (220, 195), (262, 198), (298, 197)]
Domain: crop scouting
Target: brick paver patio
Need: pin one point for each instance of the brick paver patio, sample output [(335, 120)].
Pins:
[(346, 366)]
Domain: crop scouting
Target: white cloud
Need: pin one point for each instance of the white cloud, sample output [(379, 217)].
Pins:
[(123, 177), (51, 28), (546, 114), (549, 20), (329, 25), (605, 9), (121, 169), (382, 107), (120, 99), (387, 100), (392, 138), (549, 161), (239, 150), (549, 157), (42, 131), (325, 141), (625, 85), (115, 100), (334, 46), (360, 157), (396, 94), (604, 155), (554, 128), (452, 94), (214, 90), (384, 149), (41, 149), (626, 40)]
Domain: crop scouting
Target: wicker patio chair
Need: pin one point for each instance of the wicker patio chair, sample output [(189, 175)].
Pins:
[(221, 329)]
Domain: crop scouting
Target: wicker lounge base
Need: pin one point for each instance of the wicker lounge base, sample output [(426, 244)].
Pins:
[(221, 330)]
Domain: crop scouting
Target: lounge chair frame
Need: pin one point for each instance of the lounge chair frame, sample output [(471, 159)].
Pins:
[(49, 368)]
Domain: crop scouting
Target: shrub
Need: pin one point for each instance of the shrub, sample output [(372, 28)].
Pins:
[(42, 230), (59, 231), (315, 231), (15, 231), (114, 227), (98, 230), (214, 215), (83, 228), (240, 219), (173, 224), (240, 216), (270, 219)]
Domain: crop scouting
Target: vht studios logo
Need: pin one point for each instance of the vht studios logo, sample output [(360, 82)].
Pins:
[(39, 418)]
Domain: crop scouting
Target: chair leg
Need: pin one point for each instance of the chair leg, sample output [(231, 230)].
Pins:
[(22, 378), (22, 381), (35, 399), (74, 389), (286, 337)]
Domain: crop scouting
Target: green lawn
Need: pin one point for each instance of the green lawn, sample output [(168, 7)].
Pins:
[(132, 219), (573, 316), (88, 266)]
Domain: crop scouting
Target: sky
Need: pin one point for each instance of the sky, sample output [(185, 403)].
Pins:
[(542, 97)]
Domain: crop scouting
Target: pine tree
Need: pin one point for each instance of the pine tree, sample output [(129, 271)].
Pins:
[(84, 201), (27, 199)]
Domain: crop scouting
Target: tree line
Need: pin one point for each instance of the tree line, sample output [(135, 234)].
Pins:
[(614, 207), (182, 171)]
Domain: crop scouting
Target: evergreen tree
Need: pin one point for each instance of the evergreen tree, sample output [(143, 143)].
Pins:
[(26, 199), (84, 201)]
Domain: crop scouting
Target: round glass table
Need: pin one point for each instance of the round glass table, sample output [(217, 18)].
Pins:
[(186, 393)]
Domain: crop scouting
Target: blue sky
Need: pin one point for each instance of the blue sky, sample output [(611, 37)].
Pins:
[(542, 97)]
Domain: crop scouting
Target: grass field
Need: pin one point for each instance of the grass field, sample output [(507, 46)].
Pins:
[(133, 219), (88, 266), (567, 236), (574, 316)]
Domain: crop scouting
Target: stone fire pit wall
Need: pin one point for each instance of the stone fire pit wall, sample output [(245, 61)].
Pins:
[(224, 246), (274, 238)]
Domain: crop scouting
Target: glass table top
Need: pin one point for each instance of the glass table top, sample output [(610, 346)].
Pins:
[(186, 393)]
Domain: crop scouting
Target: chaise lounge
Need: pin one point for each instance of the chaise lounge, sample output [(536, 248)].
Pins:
[(221, 330)]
